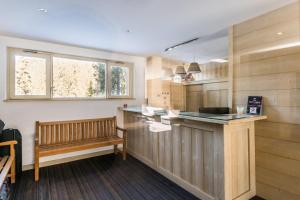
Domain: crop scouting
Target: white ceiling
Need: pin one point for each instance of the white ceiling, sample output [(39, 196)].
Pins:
[(154, 24)]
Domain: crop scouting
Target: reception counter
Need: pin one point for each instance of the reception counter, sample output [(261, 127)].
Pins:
[(211, 156)]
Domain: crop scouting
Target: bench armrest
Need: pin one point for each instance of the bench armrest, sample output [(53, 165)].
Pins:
[(13, 142), (121, 129)]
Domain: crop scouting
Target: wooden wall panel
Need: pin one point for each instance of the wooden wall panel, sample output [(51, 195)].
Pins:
[(279, 131), (212, 71), (268, 19), (274, 193), (194, 97), (178, 96), (253, 39), (166, 94), (261, 67), (215, 94)]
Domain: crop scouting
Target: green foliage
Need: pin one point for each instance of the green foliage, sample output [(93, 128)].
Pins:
[(119, 80), (99, 77), (24, 78)]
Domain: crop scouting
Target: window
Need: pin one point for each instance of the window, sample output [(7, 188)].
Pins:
[(29, 75), (45, 75), (120, 80), (78, 78)]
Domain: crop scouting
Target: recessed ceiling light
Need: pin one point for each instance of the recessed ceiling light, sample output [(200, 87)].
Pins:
[(280, 33), (42, 10), (218, 60)]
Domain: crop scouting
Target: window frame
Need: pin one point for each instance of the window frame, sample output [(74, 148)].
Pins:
[(12, 52), (130, 70), (12, 77), (82, 59)]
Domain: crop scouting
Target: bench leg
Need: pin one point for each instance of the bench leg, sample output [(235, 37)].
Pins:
[(36, 165), (13, 172), (116, 149), (36, 171), (13, 166), (124, 153), (124, 145)]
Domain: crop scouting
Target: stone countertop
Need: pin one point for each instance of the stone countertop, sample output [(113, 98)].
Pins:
[(203, 117)]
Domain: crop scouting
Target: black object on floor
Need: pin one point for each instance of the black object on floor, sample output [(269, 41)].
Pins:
[(1, 125), (13, 134), (104, 177)]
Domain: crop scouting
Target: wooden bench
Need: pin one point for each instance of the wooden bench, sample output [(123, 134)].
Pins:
[(7, 163), (68, 136)]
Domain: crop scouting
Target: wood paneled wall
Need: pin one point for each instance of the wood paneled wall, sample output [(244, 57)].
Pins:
[(262, 67), (166, 94), (206, 95), (210, 94), (213, 71)]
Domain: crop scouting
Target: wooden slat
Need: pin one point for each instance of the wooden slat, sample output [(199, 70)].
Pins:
[(186, 151), (91, 130), (197, 162), (48, 134), (287, 183), (79, 131), (105, 128), (52, 135), (75, 121), (71, 130), (57, 138), (281, 148), (279, 131), (2, 162), (208, 151), (5, 170), (78, 147), (177, 155), (42, 135), (278, 164), (95, 127), (61, 133), (270, 192), (66, 131), (74, 131)]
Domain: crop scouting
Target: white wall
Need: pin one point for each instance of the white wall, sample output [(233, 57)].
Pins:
[(22, 115)]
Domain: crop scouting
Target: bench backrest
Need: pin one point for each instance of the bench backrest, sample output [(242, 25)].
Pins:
[(62, 132)]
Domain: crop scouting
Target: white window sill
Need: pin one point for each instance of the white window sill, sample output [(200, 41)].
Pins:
[(69, 99)]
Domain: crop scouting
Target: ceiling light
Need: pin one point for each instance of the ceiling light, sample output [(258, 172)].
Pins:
[(219, 60), (180, 71), (194, 68), (280, 33), (42, 10)]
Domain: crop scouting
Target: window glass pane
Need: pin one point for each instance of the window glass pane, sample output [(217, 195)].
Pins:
[(30, 75), (78, 78), (119, 81)]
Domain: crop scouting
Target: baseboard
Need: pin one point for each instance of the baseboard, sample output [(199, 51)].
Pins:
[(68, 159)]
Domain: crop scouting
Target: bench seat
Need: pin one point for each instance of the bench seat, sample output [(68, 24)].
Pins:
[(62, 137), (54, 149)]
